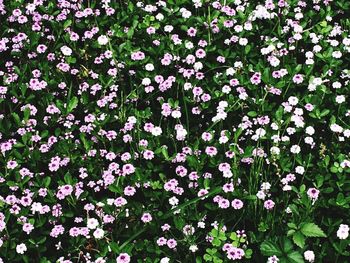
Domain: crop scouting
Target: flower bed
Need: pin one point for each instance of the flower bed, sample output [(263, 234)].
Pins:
[(174, 131)]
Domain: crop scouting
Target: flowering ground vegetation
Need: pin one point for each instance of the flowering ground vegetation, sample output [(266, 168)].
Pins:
[(174, 131)]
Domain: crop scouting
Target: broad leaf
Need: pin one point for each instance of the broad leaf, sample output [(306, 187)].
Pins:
[(299, 239), (269, 248), (312, 230)]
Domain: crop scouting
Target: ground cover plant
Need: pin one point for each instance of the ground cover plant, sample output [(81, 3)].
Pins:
[(174, 131)]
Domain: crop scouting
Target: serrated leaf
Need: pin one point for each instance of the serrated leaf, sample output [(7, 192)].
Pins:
[(269, 248), (312, 230), (299, 239), (287, 245), (295, 257)]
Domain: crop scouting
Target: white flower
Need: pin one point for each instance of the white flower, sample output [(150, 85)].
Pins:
[(336, 54), (102, 40), (186, 14), (317, 81), (193, 248), (230, 71), (168, 28), (176, 114), (309, 255), (243, 41), (297, 28), (310, 130), (287, 188), (343, 231), (317, 48), (275, 150), (309, 140), (340, 99), (156, 131), (189, 45), (99, 233), (149, 67), (165, 260), (21, 248), (92, 223), (100, 260), (159, 17), (265, 186), (346, 133), (261, 195), (66, 51), (336, 85), (201, 224), (336, 128), (293, 100), (299, 169), (238, 64), (274, 61), (295, 149), (187, 86), (273, 259), (198, 66), (146, 81), (173, 201)]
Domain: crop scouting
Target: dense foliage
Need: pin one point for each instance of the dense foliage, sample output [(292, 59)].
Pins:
[(174, 131)]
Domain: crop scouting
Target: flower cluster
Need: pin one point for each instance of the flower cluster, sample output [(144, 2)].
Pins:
[(174, 131)]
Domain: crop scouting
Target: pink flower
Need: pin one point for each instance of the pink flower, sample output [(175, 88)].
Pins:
[(224, 203), (12, 164), (237, 204), (256, 78), (200, 53), (313, 193), (269, 204), (27, 227), (298, 79), (191, 32), (123, 258), (146, 217), (161, 241), (171, 243)]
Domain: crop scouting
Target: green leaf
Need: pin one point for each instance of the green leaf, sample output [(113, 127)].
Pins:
[(247, 49), (299, 239), (216, 242), (207, 257), (47, 181), (214, 232), (287, 245), (233, 236), (268, 248), (16, 117), (248, 253), (114, 246), (312, 230), (68, 178), (26, 114), (252, 114), (325, 112), (67, 23), (295, 257), (211, 251), (73, 103), (217, 260)]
